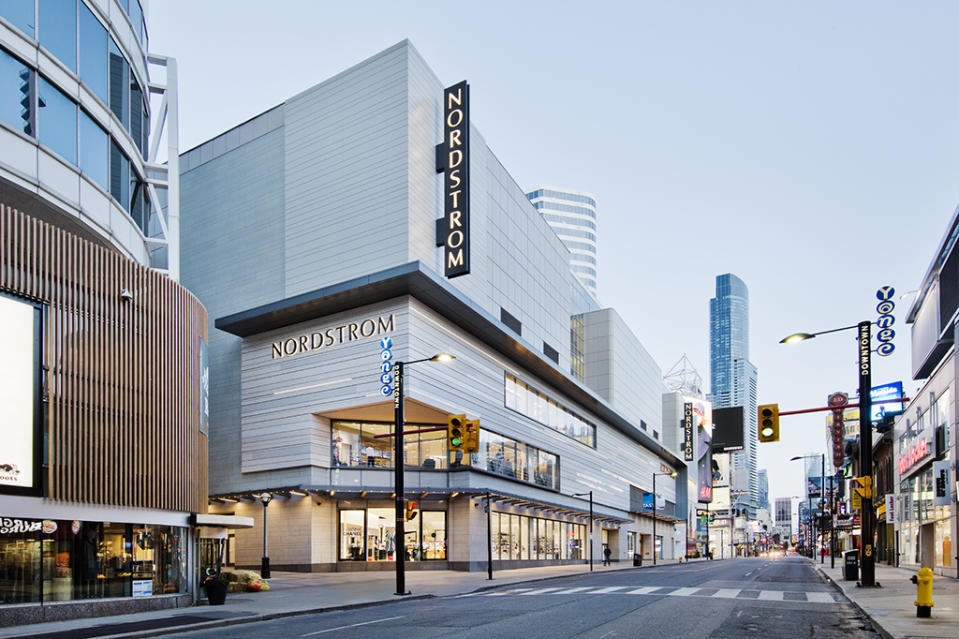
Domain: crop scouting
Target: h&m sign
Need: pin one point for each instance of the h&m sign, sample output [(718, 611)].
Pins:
[(453, 160)]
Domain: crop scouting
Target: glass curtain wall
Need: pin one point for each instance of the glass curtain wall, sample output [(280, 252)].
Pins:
[(508, 457), (369, 535), (518, 537), (528, 401)]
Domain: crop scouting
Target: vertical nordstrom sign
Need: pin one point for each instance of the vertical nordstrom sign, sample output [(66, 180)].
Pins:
[(453, 159)]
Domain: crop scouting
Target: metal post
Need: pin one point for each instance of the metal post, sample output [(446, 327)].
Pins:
[(809, 530), (832, 530), (867, 559), (398, 485), (590, 531), (654, 518), (265, 561), (489, 539), (822, 511)]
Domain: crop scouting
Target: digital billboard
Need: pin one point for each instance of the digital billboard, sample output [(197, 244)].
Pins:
[(886, 392), (728, 429)]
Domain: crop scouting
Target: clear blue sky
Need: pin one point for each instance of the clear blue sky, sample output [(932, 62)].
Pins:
[(808, 147)]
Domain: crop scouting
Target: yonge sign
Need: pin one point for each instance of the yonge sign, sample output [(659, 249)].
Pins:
[(453, 160)]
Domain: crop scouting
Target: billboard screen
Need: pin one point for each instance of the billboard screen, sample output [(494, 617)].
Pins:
[(728, 429), (886, 392)]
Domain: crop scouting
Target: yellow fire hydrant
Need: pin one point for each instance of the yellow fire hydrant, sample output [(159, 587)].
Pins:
[(923, 583)]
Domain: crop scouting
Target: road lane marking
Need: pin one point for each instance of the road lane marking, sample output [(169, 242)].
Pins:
[(820, 597), (726, 593), (771, 595), (645, 590), (514, 591), (538, 592), (682, 592), (352, 625), (607, 589), (569, 591)]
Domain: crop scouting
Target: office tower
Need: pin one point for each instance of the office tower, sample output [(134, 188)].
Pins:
[(763, 483), (734, 381), (572, 216)]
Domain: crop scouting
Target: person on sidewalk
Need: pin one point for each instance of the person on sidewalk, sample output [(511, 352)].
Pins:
[(606, 553)]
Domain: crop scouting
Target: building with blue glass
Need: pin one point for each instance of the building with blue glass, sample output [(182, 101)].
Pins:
[(103, 466), (734, 382), (329, 239)]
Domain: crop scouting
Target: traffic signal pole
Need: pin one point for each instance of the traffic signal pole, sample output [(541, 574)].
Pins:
[(867, 557), (399, 530)]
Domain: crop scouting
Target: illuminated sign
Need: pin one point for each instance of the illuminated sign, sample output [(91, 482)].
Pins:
[(386, 365), (20, 387), (453, 160), (688, 432), (885, 392), (10, 526), (333, 336), (914, 454)]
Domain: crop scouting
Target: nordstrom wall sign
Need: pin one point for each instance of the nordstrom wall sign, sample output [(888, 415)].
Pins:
[(453, 160), (333, 336)]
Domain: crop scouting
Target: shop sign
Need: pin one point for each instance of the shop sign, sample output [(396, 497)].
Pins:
[(914, 454), (386, 365), (906, 507), (940, 483), (204, 388), (333, 336), (10, 526), (890, 508), (20, 383), (142, 587), (886, 334), (453, 160), (688, 431)]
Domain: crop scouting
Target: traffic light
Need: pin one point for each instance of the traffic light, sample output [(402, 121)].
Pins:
[(411, 507), (456, 432), (866, 487), (472, 444), (769, 423)]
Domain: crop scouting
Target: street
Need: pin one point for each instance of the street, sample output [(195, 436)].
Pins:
[(781, 597)]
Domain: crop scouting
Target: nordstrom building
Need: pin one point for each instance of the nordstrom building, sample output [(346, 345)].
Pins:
[(365, 222)]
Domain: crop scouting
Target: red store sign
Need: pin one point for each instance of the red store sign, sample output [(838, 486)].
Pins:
[(914, 454)]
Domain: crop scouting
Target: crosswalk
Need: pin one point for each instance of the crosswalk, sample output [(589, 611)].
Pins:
[(672, 591)]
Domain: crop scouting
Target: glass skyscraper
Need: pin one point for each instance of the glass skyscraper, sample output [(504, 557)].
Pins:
[(734, 381), (572, 216)]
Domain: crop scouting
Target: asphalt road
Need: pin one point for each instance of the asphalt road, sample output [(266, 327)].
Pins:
[(768, 598)]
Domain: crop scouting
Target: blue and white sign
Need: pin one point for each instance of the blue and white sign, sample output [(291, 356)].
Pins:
[(885, 334), (142, 587), (386, 365), (885, 392)]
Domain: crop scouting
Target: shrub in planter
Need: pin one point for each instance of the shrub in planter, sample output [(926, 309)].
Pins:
[(215, 585)]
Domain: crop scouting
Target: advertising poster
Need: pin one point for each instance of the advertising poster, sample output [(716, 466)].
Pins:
[(940, 483), (883, 393), (19, 396), (813, 487), (704, 464)]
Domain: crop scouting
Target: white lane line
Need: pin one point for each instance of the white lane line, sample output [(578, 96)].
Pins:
[(607, 589), (352, 625), (820, 597), (771, 595), (682, 592), (570, 591), (727, 593), (514, 591), (645, 590), (538, 592)]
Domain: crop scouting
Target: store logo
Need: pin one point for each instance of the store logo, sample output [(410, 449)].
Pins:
[(386, 365), (453, 160), (914, 454), (688, 431), (10, 526), (332, 336), (885, 335)]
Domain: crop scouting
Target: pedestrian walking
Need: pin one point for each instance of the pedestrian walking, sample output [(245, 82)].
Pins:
[(606, 553)]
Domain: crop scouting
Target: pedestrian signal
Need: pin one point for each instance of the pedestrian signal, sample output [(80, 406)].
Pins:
[(411, 507), (866, 487), (769, 423), (456, 432)]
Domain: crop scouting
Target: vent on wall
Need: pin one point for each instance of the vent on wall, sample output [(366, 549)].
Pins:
[(550, 352), (510, 321)]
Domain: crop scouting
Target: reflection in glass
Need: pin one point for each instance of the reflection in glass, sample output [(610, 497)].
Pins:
[(351, 535), (57, 121), (93, 54), (380, 540), (58, 29), (20, 14), (15, 100), (119, 175), (94, 151), (119, 85), (434, 534)]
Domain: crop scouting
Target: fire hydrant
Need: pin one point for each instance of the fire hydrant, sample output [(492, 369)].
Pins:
[(923, 583)]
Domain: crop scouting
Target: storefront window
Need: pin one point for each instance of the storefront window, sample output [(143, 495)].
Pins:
[(424, 538), (511, 458), (434, 535), (351, 534), (380, 537), (355, 444)]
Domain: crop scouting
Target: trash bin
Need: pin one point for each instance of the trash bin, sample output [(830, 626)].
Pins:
[(850, 565), (637, 559)]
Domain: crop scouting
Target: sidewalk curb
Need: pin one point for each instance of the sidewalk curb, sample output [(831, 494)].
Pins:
[(872, 620), (221, 623)]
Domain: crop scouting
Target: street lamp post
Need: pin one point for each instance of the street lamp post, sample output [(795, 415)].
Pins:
[(265, 561), (655, 475), (822, 490), (399, 529), (867, 559), (590, 493)]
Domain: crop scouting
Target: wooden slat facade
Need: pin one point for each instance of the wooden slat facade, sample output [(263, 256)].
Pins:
[(122, 376)]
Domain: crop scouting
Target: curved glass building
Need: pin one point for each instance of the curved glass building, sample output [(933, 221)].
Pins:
[(572, 215)]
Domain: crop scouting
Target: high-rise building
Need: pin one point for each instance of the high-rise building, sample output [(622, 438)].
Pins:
[(103, 463), (783, 517), (763, 484), (734, 381), (572, 216)]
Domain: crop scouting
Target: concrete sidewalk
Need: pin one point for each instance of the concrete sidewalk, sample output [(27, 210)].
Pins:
[(892, 607), (300, 593)]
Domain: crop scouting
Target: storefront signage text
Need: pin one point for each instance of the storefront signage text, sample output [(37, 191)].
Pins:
[(914, 454), (688, 431), (10, 526), (453, 160), (332, 336), (386, 365)]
